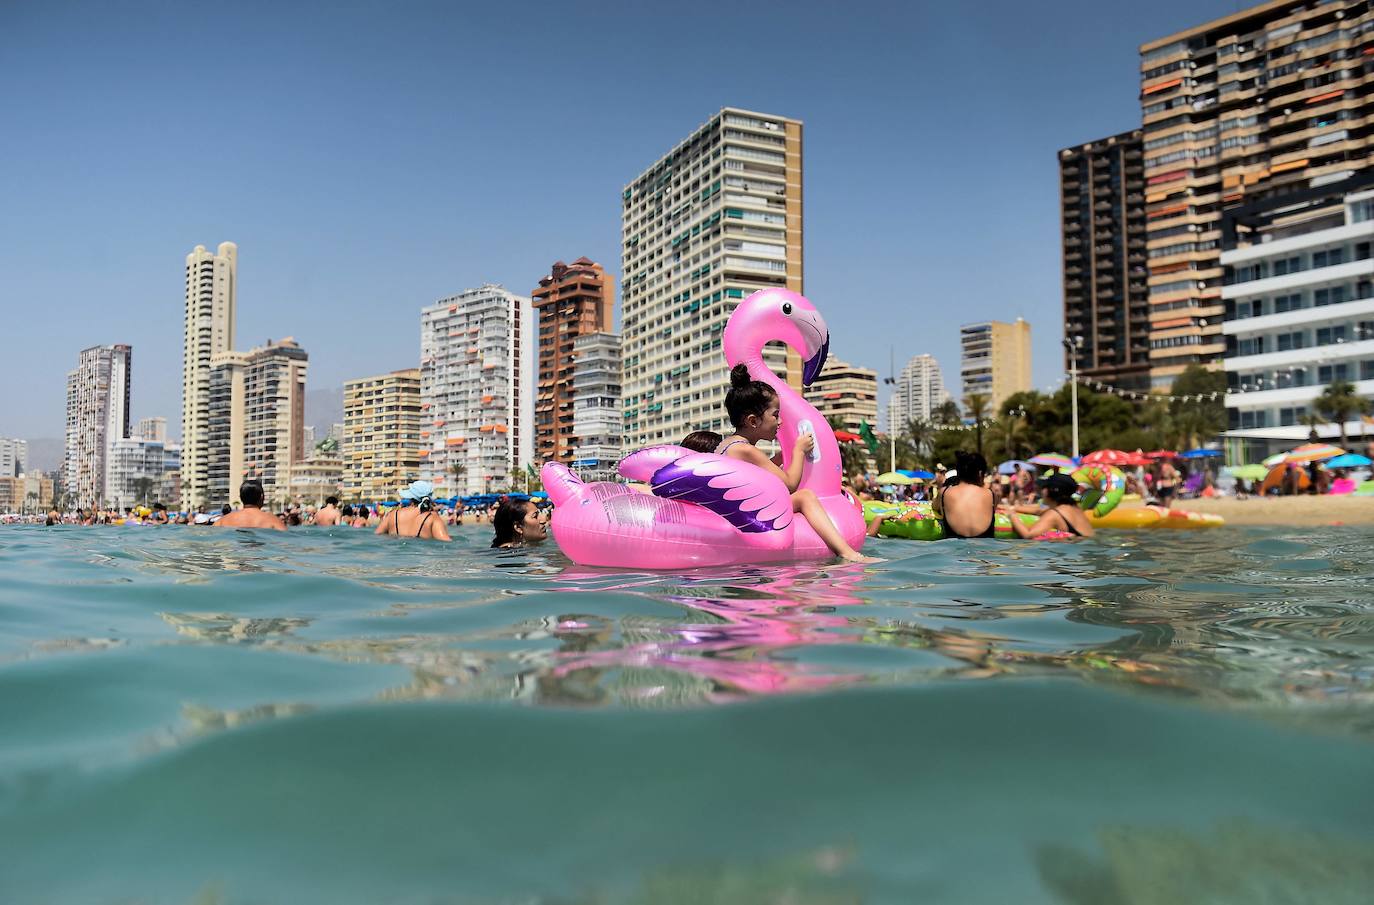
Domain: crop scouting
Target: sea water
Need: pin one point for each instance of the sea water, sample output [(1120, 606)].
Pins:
[(192, 715)]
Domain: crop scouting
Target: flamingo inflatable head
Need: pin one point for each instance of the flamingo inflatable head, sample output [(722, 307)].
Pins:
[(781, 315)]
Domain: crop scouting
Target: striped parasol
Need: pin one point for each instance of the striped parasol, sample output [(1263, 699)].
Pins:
[(1313, 452), (1052, 460)]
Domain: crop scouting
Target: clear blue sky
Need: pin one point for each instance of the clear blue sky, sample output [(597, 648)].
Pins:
[(369, 158)]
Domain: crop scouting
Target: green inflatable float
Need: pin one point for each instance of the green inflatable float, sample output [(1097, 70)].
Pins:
[(1100, 489)]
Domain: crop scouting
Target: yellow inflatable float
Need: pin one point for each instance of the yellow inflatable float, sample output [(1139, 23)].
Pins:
[(1156, 517)]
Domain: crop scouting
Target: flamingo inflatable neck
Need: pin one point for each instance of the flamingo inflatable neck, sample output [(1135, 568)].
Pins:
[(750, 327)]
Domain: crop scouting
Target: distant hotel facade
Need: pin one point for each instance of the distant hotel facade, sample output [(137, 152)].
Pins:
[(1299, 295), (382, 434), (716, 218), (476, 397), (1263, 107), (846, 393), (995, 360), (99, 395), (1106, 297), (572, 301), (14, 457), (211, 301)]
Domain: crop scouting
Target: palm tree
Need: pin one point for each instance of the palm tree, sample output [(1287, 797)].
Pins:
[(853, 456), (977, 406), (919, 433), (1338, 402), (947, 413), (458, 469), (142, 487)]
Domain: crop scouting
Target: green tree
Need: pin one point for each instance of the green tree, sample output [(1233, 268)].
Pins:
[(143, 486), (918, 433), (977, 406), (1339, 402), (1200, 411), (853, 456), (946, 413), (458, 470)]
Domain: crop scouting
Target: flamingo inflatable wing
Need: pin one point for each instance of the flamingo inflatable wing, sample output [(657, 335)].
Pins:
[(746, 496), (706, 509)]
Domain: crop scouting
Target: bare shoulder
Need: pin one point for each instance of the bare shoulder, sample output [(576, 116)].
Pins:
[(746, 452)]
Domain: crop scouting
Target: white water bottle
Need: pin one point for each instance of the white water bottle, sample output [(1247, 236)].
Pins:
[(805, 429)]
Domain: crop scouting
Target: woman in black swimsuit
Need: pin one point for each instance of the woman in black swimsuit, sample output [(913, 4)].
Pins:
[(1059, 515), (964, 506), (415, 517)]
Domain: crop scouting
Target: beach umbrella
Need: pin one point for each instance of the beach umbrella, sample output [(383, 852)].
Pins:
[(847, 437), (1161, 454), (892, 477), (1053, 460), (1247, 472), (1275, 459), (1199, 454), (1009, 466), (1275, 478), (1349, 460), (922, 475), (1109, 457), (1311, 452)]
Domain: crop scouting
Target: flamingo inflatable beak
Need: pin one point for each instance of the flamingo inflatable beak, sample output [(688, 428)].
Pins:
[(817, 347)]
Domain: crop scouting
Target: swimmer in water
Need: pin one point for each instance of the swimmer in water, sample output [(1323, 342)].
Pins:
[(252, 514)]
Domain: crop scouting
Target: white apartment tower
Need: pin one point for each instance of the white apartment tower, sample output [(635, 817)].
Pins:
[(476, 390), (920, 390), (14, 457), (716, 218), (98, 398), (598, 419), (211, 297)]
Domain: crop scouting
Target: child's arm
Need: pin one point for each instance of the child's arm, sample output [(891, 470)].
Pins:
[(791, 477)]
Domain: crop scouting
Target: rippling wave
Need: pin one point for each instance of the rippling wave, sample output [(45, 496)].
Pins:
[(199, 716)]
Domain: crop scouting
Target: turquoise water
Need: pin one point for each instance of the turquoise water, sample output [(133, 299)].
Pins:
[(199, 716)]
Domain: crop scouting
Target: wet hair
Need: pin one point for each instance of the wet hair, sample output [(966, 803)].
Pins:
[(331, 501), (509, 514), (250, 493), (702, 441), (346, 512), (226, 509), (970, 466), (747, 396), (1059, 487)]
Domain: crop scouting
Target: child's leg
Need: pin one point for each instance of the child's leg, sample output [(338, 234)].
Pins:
[(805, 502)]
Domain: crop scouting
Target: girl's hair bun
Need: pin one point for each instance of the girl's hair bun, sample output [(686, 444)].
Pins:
[(739, 377)]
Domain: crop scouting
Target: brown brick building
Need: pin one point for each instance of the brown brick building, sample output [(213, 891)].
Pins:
[(573, 300)]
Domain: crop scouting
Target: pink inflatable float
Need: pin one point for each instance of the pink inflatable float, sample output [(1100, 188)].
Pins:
[(706, 509)]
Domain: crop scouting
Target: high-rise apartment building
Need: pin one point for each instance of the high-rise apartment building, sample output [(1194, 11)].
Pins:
[(476, 393), (1266, 104), (382, 428), (211, 298), (573, 300), (14, 457), (919, 391), (154, 429), (98, 400), (256, 424), (1106, 299), (846, 393), (716, 218), (136, 472), (598, 416), (1299, 297), (995, 360)]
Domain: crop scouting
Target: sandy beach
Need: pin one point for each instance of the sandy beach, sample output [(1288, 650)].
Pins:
[(1292, 510)]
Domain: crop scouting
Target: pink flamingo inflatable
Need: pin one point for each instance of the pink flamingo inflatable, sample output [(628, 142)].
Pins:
[(708, 510)]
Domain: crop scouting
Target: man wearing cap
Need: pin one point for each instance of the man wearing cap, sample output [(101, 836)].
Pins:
[(252, 514), (415, 517)]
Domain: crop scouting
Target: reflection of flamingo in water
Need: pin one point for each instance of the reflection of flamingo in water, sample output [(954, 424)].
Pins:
[(709, 509), (736, 653)]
